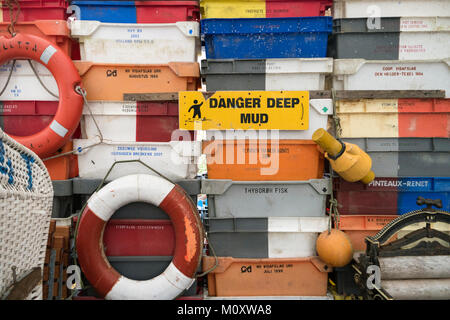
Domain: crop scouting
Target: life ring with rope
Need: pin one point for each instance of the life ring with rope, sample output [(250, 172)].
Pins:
[(70, 107), (173, 200)]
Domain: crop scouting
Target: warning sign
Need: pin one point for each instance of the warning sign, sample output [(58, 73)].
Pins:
[(244, 110)]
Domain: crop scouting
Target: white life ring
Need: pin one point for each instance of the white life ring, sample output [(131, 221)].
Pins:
[(172, 199)]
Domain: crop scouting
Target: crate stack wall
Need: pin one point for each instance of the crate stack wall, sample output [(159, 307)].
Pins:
[(26, 106), (136, 47), (269, 223), (391, 45)]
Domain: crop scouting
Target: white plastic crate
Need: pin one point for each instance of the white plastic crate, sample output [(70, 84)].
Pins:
[(424, 38), (389, 8), (297, 74), (360, 74), (272, 237), (128, 121), (24, 85), (137, 43), (116, 120), (176, 160), (295, 236), (319, 110)]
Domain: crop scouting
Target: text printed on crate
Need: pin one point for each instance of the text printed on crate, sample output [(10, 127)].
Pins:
[(259, 148), (246, 147)]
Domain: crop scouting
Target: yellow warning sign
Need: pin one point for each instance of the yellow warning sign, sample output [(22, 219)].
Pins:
[(244, 110)]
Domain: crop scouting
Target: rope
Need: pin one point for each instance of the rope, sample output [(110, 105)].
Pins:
[(336, 119), (40, 81), (334, 212), (9, 77), (216, 259), (35, 73), (82, 93), (14, 19)]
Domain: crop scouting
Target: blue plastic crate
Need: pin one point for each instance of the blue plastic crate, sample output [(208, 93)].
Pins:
[(431, 188), (107, 11), (264, 38)]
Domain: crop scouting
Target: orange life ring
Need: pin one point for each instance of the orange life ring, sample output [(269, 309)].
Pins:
[(70, 108), (172, 199)]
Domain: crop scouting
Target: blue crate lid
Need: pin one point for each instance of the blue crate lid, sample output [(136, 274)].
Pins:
[(417, 184), (266, 25), (107, 11), (103, 3)]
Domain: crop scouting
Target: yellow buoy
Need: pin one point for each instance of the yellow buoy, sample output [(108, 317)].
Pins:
[(334, 248), (349, 161)]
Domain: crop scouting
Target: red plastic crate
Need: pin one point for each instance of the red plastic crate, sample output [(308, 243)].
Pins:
[(296, 8), (55, 31), (358, 227), (123, 237), (353, 198), (31, 10), (166, 11), (424, 118), (23, 118), (155, 121)]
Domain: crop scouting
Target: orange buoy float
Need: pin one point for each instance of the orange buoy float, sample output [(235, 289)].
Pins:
[(70, 108), (173, 200), (334, 248)]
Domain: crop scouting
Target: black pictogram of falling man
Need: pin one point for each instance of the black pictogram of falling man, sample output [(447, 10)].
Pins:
[(196, 108)]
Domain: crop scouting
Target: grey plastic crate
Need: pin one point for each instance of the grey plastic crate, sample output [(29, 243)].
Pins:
[(62, 198), (136, 210), (370, 25), (353, 39), (407, 157), (385, 39), (266, 74), (256, 199), (230, 74), (239, 238)]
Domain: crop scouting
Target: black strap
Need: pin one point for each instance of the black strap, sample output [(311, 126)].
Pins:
[(340, 152)]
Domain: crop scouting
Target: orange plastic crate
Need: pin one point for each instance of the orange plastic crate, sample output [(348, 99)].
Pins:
[(55, 31), (111, 81), (358, 227), (266, 277), (244, 160), (64, 167)]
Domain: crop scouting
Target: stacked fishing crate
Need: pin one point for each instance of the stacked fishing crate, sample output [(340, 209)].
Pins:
[(27, 105), (146, 48), (57, 259), (392, 45), (29, 100), (266, 190)]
